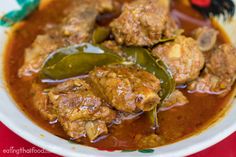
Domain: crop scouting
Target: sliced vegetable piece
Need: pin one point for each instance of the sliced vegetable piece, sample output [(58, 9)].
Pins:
[(77, 60), (100, 34)]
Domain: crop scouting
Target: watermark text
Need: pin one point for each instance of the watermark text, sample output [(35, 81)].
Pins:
[(23, 150)]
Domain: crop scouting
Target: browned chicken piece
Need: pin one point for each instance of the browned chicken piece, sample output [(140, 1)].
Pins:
[(176, 98), (37, 53), (75, 28), (42, 104), (79, 21), (223, 61), (76, 105), (127, 89), (141, 22), (183, 58), (149, 141), (81, 17), (220, 72), (206, 38)]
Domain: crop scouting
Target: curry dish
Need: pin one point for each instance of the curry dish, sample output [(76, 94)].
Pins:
[(120, 75)]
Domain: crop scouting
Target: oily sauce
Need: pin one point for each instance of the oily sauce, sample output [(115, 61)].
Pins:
[(175, 124)]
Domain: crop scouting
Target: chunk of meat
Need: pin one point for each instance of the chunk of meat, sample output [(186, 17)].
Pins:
[(42, 104), (220, 72), (79, 21), (183, 58), (76, 105), (126, 88), (176, 98), (37, 53), (223, 61), (81, 17), (212, 84), (75, 28), (206, 38), (141, 22)]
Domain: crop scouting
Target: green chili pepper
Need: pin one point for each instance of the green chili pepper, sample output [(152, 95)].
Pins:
[(77, 60), (100, 34)]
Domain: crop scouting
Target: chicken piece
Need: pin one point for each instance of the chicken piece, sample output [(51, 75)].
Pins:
[(79, 22), (76, 105), (141, 22), (176, 98), (183, 58), (42, 104), (75, 28), (209, 83), (220, 72), (206, 38), (37, 53), (126, 88), (223, 61)]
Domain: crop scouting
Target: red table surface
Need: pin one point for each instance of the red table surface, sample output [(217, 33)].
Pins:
[(10, 141)]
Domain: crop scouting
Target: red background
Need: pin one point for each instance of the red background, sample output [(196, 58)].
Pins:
[(226, 148)]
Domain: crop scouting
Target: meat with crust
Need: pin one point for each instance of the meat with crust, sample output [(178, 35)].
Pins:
[(42, 103), (37, 53), (141, 22), (183, 58), (127, 89), (76, 27), (79, 22), (220, 72), (76, 105)]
